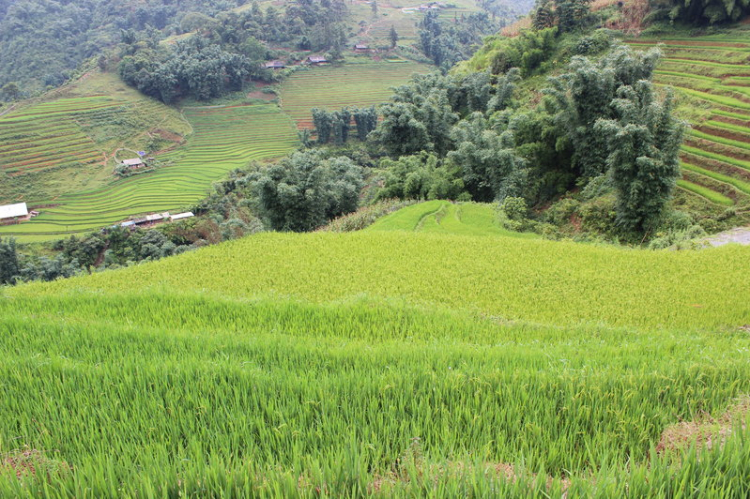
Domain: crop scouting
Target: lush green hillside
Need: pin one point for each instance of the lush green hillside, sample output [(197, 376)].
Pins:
[(224, 138), (68, 140), (712, 75), (381, 363)]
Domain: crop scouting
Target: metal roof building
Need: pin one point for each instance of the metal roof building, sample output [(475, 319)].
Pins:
[(13, 210)]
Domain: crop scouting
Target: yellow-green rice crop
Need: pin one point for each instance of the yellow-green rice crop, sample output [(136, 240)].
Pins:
[(530, 280)]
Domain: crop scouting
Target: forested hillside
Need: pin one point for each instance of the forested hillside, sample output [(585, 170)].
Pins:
[(43, 41)]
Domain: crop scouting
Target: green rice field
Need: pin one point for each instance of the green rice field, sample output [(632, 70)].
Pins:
[(712, 76), (383, 363), (333, 87), (445, 217)]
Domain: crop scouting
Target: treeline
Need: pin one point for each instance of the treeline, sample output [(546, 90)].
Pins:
[(42, 42), (336, 125)]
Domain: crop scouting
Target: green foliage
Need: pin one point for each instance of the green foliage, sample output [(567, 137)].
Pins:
[(336, 125), (489, 165), (421, 176), (193, 67), (422, 113), (528, 52), (709, 11), (43, 42), (447, 45), (9, 269), (644, 143), (304, 191), (366, 119), (393, 36), (11, 91), (403, 131), (571, 15), (586, 94), (323, 123)]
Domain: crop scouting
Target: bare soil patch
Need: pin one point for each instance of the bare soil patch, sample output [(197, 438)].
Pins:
[(706, 431)]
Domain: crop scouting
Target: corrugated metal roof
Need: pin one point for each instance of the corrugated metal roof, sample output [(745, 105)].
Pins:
[(13, 210), (132, 162), (180, 216)]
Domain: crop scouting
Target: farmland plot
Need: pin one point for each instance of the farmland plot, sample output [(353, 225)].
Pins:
[(382, 364), (712, 77), (333, 87)]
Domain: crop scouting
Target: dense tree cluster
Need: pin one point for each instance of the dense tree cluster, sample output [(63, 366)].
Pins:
[(304, 191), (704, 12), (194, 67), (337, 125), (447, 43), (567, 15), (452, 136), (43, 41)]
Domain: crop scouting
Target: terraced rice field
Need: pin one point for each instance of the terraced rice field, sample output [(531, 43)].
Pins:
[(444, 217), (712, 76), (53, 134), (224, 138), (334, 87)]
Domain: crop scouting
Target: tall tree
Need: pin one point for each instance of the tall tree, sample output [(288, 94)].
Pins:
[(644, 141), (393, 36), (11, 91), (9, 268), (585, 94)]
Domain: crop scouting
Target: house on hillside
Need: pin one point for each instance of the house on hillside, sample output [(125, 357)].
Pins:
[(361, 48), (275, 65), (134, 163), (317, 59), (14, 214)]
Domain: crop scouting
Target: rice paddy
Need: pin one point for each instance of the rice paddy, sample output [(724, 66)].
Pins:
[(382, 363), (444, 217), (333, 87), (712, 76)]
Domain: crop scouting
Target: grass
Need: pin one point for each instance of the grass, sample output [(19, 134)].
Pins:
[(379, 363), (711, 195), (381, 264)]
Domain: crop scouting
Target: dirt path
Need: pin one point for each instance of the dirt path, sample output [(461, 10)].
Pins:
[(739, 235)]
